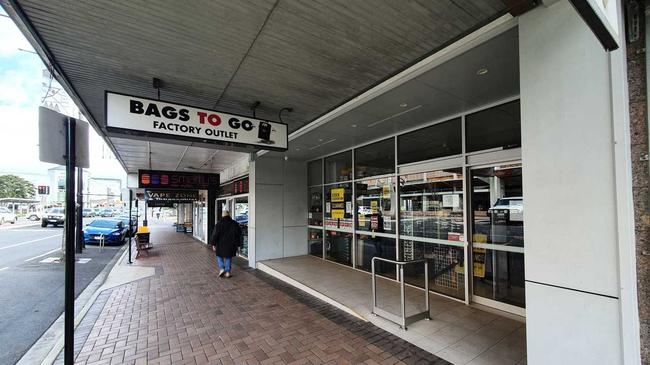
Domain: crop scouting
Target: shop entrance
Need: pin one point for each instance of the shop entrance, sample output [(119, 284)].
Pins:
[(497, 226), (238, 208)]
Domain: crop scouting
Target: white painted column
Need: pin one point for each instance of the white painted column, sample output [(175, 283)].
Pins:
[(278, 209), (580, 296)]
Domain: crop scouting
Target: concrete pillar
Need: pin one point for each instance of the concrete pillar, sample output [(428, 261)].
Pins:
[(580, 286)]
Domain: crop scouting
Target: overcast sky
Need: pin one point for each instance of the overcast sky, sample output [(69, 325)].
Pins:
[(21, 76)]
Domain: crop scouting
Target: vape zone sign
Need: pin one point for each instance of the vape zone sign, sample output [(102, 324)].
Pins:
[(127, 114)]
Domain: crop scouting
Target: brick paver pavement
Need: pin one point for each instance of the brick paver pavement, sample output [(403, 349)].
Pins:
[(187, 315)]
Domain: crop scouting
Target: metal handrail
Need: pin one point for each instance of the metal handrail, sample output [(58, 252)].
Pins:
[(402, 320)]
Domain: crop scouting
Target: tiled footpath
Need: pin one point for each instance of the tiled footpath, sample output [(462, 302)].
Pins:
[(185, 314)]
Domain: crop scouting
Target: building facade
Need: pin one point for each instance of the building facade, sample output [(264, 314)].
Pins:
[(507, 146)]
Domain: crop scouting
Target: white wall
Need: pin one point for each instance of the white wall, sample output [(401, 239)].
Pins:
[(572, 189), (278, 219)]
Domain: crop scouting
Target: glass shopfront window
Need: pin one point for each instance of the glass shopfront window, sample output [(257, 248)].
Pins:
[(369, 246), (496, 127), (446, 267), (316, 206), (376, 205), (498, 205), (315, 175), (499, 275), (375, 159), (338, 247), (439, 140), (338, 167), (316, 242), (431, 205), (498, 233), (338, 206)]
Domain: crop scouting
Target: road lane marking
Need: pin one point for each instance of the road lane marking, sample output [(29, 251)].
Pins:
[(47, 253), (4, 268), (32, 241)]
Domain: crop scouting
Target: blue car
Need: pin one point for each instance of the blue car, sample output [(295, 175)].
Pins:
[(112, 230)]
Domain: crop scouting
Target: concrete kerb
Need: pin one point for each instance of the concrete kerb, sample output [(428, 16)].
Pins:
[(50, 344)]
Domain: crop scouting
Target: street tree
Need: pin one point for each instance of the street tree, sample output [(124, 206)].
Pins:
[(12, 186)]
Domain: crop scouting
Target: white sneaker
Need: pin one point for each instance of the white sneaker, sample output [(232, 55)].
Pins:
[(228, 275), (221, 272)]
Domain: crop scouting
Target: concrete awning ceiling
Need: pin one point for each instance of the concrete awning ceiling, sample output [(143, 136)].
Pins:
[(309, 55)]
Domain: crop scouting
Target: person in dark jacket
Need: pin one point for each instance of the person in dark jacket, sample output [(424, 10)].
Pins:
[(226, 238)]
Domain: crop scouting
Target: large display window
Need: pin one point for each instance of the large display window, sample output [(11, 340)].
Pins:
[(338, 167), (338, 206), (496, 127), (315, 217), (375, 205), (338, 247), (439, 140), (316, 242), (369, 245), (397, 199), (315, 175), (431, 205), (375, 159), (446, 266)]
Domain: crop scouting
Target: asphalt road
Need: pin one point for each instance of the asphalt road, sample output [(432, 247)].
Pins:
[(32, 289)]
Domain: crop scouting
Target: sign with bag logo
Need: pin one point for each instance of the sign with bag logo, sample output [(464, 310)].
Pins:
[(132, 115)]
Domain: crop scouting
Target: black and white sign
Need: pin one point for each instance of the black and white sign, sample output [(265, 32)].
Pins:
[(173, 196), (125, 113)]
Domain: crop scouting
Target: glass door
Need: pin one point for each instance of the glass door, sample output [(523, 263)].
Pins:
[(238, 208), (240, 215), (497, 219)]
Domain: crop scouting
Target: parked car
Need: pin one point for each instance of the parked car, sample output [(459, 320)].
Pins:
[(108, 212), (87, 212), (7, 216), (125, 222), (111, 230), (54, 217), (33, 216)]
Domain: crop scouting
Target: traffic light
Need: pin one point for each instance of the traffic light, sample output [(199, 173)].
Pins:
[(43, 190)]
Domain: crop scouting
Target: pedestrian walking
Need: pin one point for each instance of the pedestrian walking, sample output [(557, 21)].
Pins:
[(226, 238)]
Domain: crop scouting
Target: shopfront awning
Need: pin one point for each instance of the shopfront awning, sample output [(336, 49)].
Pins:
[(226, 55)]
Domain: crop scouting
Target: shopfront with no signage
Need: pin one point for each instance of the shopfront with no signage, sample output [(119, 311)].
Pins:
[(450, 191)]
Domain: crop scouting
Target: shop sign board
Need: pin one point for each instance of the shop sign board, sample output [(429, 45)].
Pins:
[(132, 115), (602, 17), (155, 179), (236, 187), (175, 196)]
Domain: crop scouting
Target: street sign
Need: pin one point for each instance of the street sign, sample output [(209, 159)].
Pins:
[(136, 116), (52, 142)]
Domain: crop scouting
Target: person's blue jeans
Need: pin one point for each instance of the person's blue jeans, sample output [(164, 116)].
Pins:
[(224, 263)]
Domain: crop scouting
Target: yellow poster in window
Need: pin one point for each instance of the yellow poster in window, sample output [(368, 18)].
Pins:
[(338, 195), (386, 191), (338, 213), (374, 207), (478, 257)]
